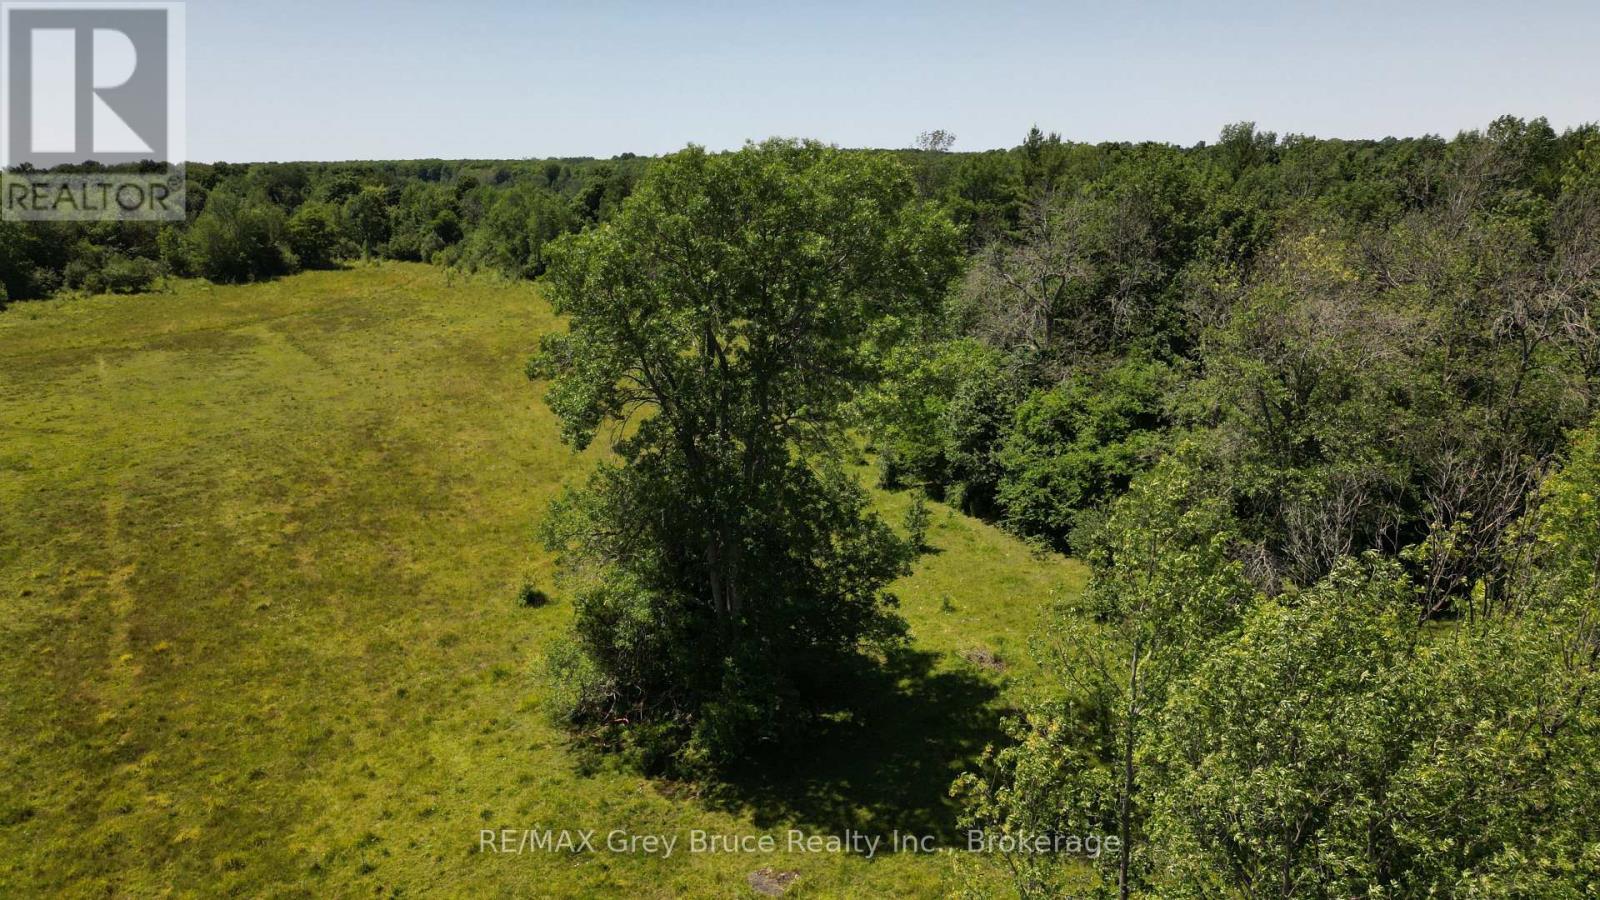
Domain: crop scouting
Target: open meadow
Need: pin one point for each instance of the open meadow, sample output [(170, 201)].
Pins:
[(260, 552)]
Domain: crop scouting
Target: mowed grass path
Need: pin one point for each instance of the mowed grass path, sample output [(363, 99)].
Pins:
[(258, 554)]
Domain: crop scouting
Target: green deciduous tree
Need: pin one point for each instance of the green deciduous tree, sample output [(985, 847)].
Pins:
[(1079, 444), (366, 217), (314, 235), (1164, 585), (983, 195), (19, 276), (1273, 757), (516, 232), (726, 566), (422, 223), (239, 239)]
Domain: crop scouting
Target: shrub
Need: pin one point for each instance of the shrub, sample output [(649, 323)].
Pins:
[(81, 275), (917, 520), (95, 270), (313, 234), (129, 275), (173, 251), (890, 473), (238, 239), (20, 248), (973, 424), (1076, 445)]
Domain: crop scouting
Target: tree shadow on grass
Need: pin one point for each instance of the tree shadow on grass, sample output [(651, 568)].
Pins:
[(914, 723)]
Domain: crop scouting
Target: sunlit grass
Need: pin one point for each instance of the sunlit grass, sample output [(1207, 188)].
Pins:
[(260, 556)]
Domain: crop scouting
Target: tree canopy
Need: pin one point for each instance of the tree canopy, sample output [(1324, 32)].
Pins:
[(719, 323)]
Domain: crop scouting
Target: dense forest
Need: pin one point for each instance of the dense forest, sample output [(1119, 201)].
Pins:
[(1319, 414)]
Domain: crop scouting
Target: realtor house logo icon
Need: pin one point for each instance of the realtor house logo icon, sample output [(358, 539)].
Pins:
[(93, 127)]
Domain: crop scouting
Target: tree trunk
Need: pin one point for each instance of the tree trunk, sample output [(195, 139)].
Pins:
[(1125, 801)]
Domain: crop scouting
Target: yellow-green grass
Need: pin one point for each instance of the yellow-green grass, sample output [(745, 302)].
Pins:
[(259, 551)]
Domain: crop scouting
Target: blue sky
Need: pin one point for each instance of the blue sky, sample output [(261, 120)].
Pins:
[(340, 79)]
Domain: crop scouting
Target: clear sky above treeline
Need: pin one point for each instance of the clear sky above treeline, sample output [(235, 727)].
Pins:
[(397, 79)]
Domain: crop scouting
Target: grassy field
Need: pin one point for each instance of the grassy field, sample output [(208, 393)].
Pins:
[(259, 549)]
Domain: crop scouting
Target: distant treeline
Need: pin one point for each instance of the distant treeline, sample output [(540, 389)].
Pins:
[(258, 221), (255, 221)]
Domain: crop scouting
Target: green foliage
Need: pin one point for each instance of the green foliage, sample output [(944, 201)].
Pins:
[(516, 232), (1332, 747), (424, 222), (128, 275), (1048, 779), (172, 251), (237, 239), (96, 270), (1321, 743), (1565, 564), (917, 521), (705, 690), (909, 414), (602, 195), (1163, 586), (984, 196), (1077, 445), (1375, 375), (314, 234), (973, 425), (366, 218), (22, 250), (1508, 761), (1242, 148), (726, 570), (1272, 759)]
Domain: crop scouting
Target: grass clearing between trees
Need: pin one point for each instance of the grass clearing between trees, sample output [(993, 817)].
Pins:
[(261, 552)]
